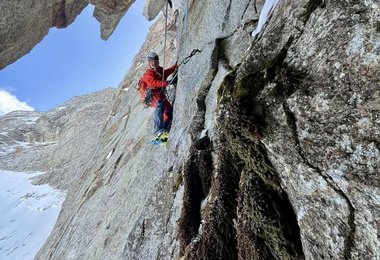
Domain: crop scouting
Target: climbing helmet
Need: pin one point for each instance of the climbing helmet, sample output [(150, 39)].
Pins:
[(152, 56)]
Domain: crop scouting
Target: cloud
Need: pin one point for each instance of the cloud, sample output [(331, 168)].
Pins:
[(9, 102)]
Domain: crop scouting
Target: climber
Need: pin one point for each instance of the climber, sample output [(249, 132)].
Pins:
[(155, 79)]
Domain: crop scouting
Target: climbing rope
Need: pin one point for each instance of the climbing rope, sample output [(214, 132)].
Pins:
[(185, 59), (185, 28), (166, 29)]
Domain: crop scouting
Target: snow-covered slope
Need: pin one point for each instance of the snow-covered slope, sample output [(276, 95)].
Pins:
[(36, 142), (28, 214)]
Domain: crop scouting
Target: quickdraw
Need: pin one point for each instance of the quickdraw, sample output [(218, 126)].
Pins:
[(186, 60)]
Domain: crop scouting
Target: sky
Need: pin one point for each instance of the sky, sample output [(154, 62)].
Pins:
[(28, 214), (72, 62)]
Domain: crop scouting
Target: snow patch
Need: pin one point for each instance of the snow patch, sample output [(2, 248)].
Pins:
[(11, 148), (110, 154), (28, 214), (268, 6), (60, 108), (203, 134), (31, 120), (139, 65)]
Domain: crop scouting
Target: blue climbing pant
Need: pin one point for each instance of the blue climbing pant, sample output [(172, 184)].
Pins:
[(163, 116)]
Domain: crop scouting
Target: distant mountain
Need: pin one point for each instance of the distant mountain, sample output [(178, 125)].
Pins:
[(51, 141)]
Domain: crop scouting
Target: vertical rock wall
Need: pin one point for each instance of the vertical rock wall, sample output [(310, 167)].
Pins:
[(274, 149), (268, 157)]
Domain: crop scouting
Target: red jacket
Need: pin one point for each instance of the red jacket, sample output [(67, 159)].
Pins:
[(153, 78)]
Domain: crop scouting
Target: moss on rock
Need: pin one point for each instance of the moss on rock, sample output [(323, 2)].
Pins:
[(177, 182)]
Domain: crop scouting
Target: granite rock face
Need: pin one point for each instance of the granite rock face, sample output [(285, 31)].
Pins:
[(23, 24), (274, 147), (109, 14)]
